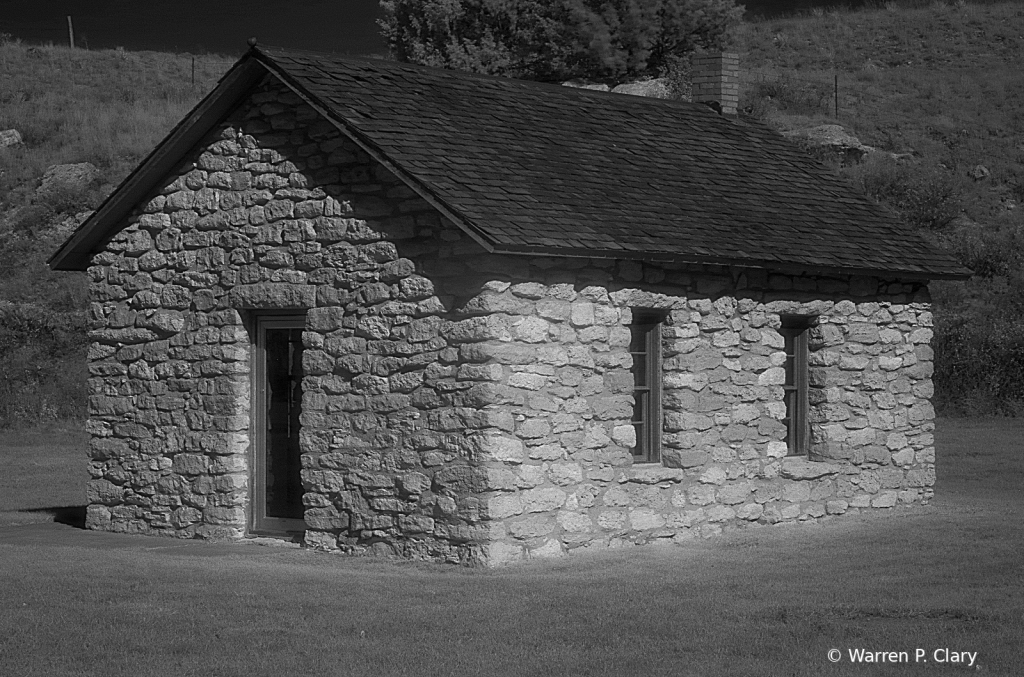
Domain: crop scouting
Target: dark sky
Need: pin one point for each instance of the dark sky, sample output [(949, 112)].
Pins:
[(220, 26), (223, 26)]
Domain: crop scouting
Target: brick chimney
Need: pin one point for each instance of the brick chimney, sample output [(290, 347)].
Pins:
[(716, 79)]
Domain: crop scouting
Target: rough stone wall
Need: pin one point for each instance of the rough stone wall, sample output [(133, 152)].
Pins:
[(459, 406), (566, 477), (276, 211)]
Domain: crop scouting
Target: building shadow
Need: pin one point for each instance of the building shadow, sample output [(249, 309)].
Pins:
[(71, 515)]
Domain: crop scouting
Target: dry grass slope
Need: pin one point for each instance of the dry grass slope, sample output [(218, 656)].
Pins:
[(939, 83), (109, 108), (105, 107)]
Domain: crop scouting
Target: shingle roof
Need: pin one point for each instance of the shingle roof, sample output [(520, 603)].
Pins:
[(541, 167), (529, 167)]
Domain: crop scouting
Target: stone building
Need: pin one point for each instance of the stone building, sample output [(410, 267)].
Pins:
[(444, 316)]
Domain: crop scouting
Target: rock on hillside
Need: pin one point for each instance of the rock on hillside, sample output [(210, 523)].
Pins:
[(656, 88), (72, 178), (10, 137), (834, 139)]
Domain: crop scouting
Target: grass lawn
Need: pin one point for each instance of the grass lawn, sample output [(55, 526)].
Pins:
[(44, 471), (762, 602)]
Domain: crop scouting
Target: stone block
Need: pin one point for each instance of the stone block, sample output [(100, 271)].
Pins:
[(612, 520), (733, 493), (903, 458), (104, 492), (326, 518), (565, 474), (526, 381), (886, 499), (551, 548), (461, 479), (796, 468), (501, 506), (860, 501), (720, 513), (531, 526), (713, 475), (543, 499), (920, 478), (642, 519), (416, 524), (750, 511), (272, 296), (501, 554), (190, 464), (97, 517), (796, 492), (775, 376), (701, 494), (488, 328), (837, 507), (492, 447), (861, 332)]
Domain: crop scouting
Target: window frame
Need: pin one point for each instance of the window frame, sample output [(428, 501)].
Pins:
[(260, 523), (795, 331), (647, 396)]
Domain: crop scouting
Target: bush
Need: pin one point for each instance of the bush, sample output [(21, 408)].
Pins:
[(42, 365), (924, 197), (557, 39), (989, 252), (979, 365)]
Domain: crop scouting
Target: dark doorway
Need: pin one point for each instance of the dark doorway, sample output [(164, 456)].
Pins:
[(277, 404)]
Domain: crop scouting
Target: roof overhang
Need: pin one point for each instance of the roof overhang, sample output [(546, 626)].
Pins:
[(782, 267)]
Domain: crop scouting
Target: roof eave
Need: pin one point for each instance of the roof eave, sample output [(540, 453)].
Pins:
[(77, 250), (786, 267)]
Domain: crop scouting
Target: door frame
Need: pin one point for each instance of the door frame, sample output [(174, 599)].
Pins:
[(259, 522)]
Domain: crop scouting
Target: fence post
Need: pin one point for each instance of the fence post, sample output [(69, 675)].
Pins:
[(836, 92), (71, 33)]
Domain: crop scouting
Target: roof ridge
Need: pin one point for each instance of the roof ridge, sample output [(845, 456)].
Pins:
[(471, 75)]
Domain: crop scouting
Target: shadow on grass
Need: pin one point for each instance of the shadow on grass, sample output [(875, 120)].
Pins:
[(71, 515)]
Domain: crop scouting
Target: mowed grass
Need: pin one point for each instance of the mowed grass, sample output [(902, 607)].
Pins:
[(769, 601), (44, 470)]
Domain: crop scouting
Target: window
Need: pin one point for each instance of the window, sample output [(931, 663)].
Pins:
[(645, 348), (794, 331), (277, 506)]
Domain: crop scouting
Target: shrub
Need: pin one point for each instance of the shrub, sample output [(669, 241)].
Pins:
[(556, 40), (42, 364), (979, 365), (988, 251), (924, 197)]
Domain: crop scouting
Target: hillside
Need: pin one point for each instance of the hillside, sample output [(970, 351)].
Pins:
[(940, 87), (936, 86), (107, 108)]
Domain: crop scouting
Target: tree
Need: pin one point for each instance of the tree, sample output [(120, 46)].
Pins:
[(556, 39)]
